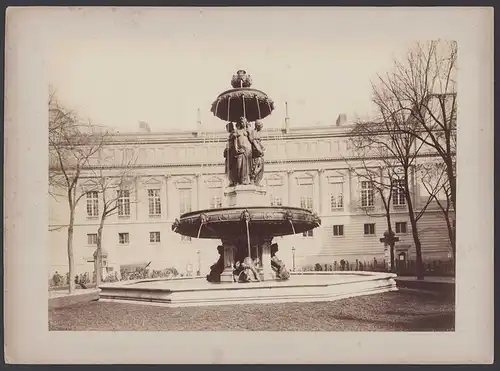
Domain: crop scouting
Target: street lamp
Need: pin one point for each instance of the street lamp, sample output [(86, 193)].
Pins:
[(293, 258), (199, 263)]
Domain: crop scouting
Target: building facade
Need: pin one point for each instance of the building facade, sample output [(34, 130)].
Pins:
[(174, 173)]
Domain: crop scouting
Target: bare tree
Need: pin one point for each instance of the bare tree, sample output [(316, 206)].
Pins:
[(384, 180), (71, 146), (389, 141), (114, 188), (424, 85)]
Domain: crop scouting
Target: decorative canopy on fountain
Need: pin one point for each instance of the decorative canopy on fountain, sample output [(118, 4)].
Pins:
[(242, 101)]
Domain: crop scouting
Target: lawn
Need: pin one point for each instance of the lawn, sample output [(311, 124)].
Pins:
[(404, 310)]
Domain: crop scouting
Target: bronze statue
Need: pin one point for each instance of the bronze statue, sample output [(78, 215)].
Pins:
[(244, 155), (239, 154), (229, 156), (277, 264), (246, 271), (218, 268), (257, 154)]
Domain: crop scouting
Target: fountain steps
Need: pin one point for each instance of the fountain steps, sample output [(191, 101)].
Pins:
[(301, 288)]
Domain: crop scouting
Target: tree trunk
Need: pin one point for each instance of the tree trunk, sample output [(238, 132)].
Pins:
[(71, 259), (389, 229), (419, 268), (98, 257), (452, 180), (452, 238)]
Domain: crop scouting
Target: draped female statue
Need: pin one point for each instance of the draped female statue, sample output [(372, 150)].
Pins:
[(229, 155), (239, 154), (257, 154)]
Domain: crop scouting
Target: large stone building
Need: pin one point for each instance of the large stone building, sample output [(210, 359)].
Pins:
[(177, 172)]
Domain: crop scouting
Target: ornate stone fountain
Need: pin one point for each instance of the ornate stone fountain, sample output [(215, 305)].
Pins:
[(247, 227)]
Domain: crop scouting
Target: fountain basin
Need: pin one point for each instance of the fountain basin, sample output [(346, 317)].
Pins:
[(269, 221), (302, 287)]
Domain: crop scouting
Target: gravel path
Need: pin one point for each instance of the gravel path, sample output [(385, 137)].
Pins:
[(392, 311)]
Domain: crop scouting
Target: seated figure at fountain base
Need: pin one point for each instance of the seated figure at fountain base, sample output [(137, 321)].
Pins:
[(245, 271), (217, 268), (277, 264)]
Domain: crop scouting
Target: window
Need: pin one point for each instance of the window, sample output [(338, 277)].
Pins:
[(336, 196), (306, 196), (275, 195), (398, 192), (366, 194), (92, 239), (123, 203), (308, 233), (154, 202), (215, 198), (185, 200), (185, 238), (369, 228), (338, 230), (92, 204), (154, 237), (123, 238), (401, 227)]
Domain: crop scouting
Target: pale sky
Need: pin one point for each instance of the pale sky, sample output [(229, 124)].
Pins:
[(160, 66)]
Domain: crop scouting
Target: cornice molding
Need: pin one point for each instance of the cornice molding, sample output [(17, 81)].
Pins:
[(268, 162)]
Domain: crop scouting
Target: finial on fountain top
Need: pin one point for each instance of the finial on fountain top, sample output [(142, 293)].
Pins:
[(241, 80)]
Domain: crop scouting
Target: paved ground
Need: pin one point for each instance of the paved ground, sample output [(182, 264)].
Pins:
[(405, 310)]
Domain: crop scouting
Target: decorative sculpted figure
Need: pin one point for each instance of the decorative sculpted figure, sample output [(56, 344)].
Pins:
[(241, 80), (217, 268), (239, 154), (277, 264), (257, 154), (246, 271), (229, 156)]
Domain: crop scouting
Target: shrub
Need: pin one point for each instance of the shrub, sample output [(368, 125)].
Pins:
[(111, 277)]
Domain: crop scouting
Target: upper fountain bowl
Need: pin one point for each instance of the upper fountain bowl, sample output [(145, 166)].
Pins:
[(270, 221)]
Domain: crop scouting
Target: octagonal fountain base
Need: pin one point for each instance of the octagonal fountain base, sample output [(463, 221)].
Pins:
[(303, 287)]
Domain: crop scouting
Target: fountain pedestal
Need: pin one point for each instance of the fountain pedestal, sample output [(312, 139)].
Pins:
[(246, 195), (229, 248), (266, 271)]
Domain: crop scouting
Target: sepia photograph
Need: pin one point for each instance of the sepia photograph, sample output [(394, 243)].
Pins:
[(214, 179)]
